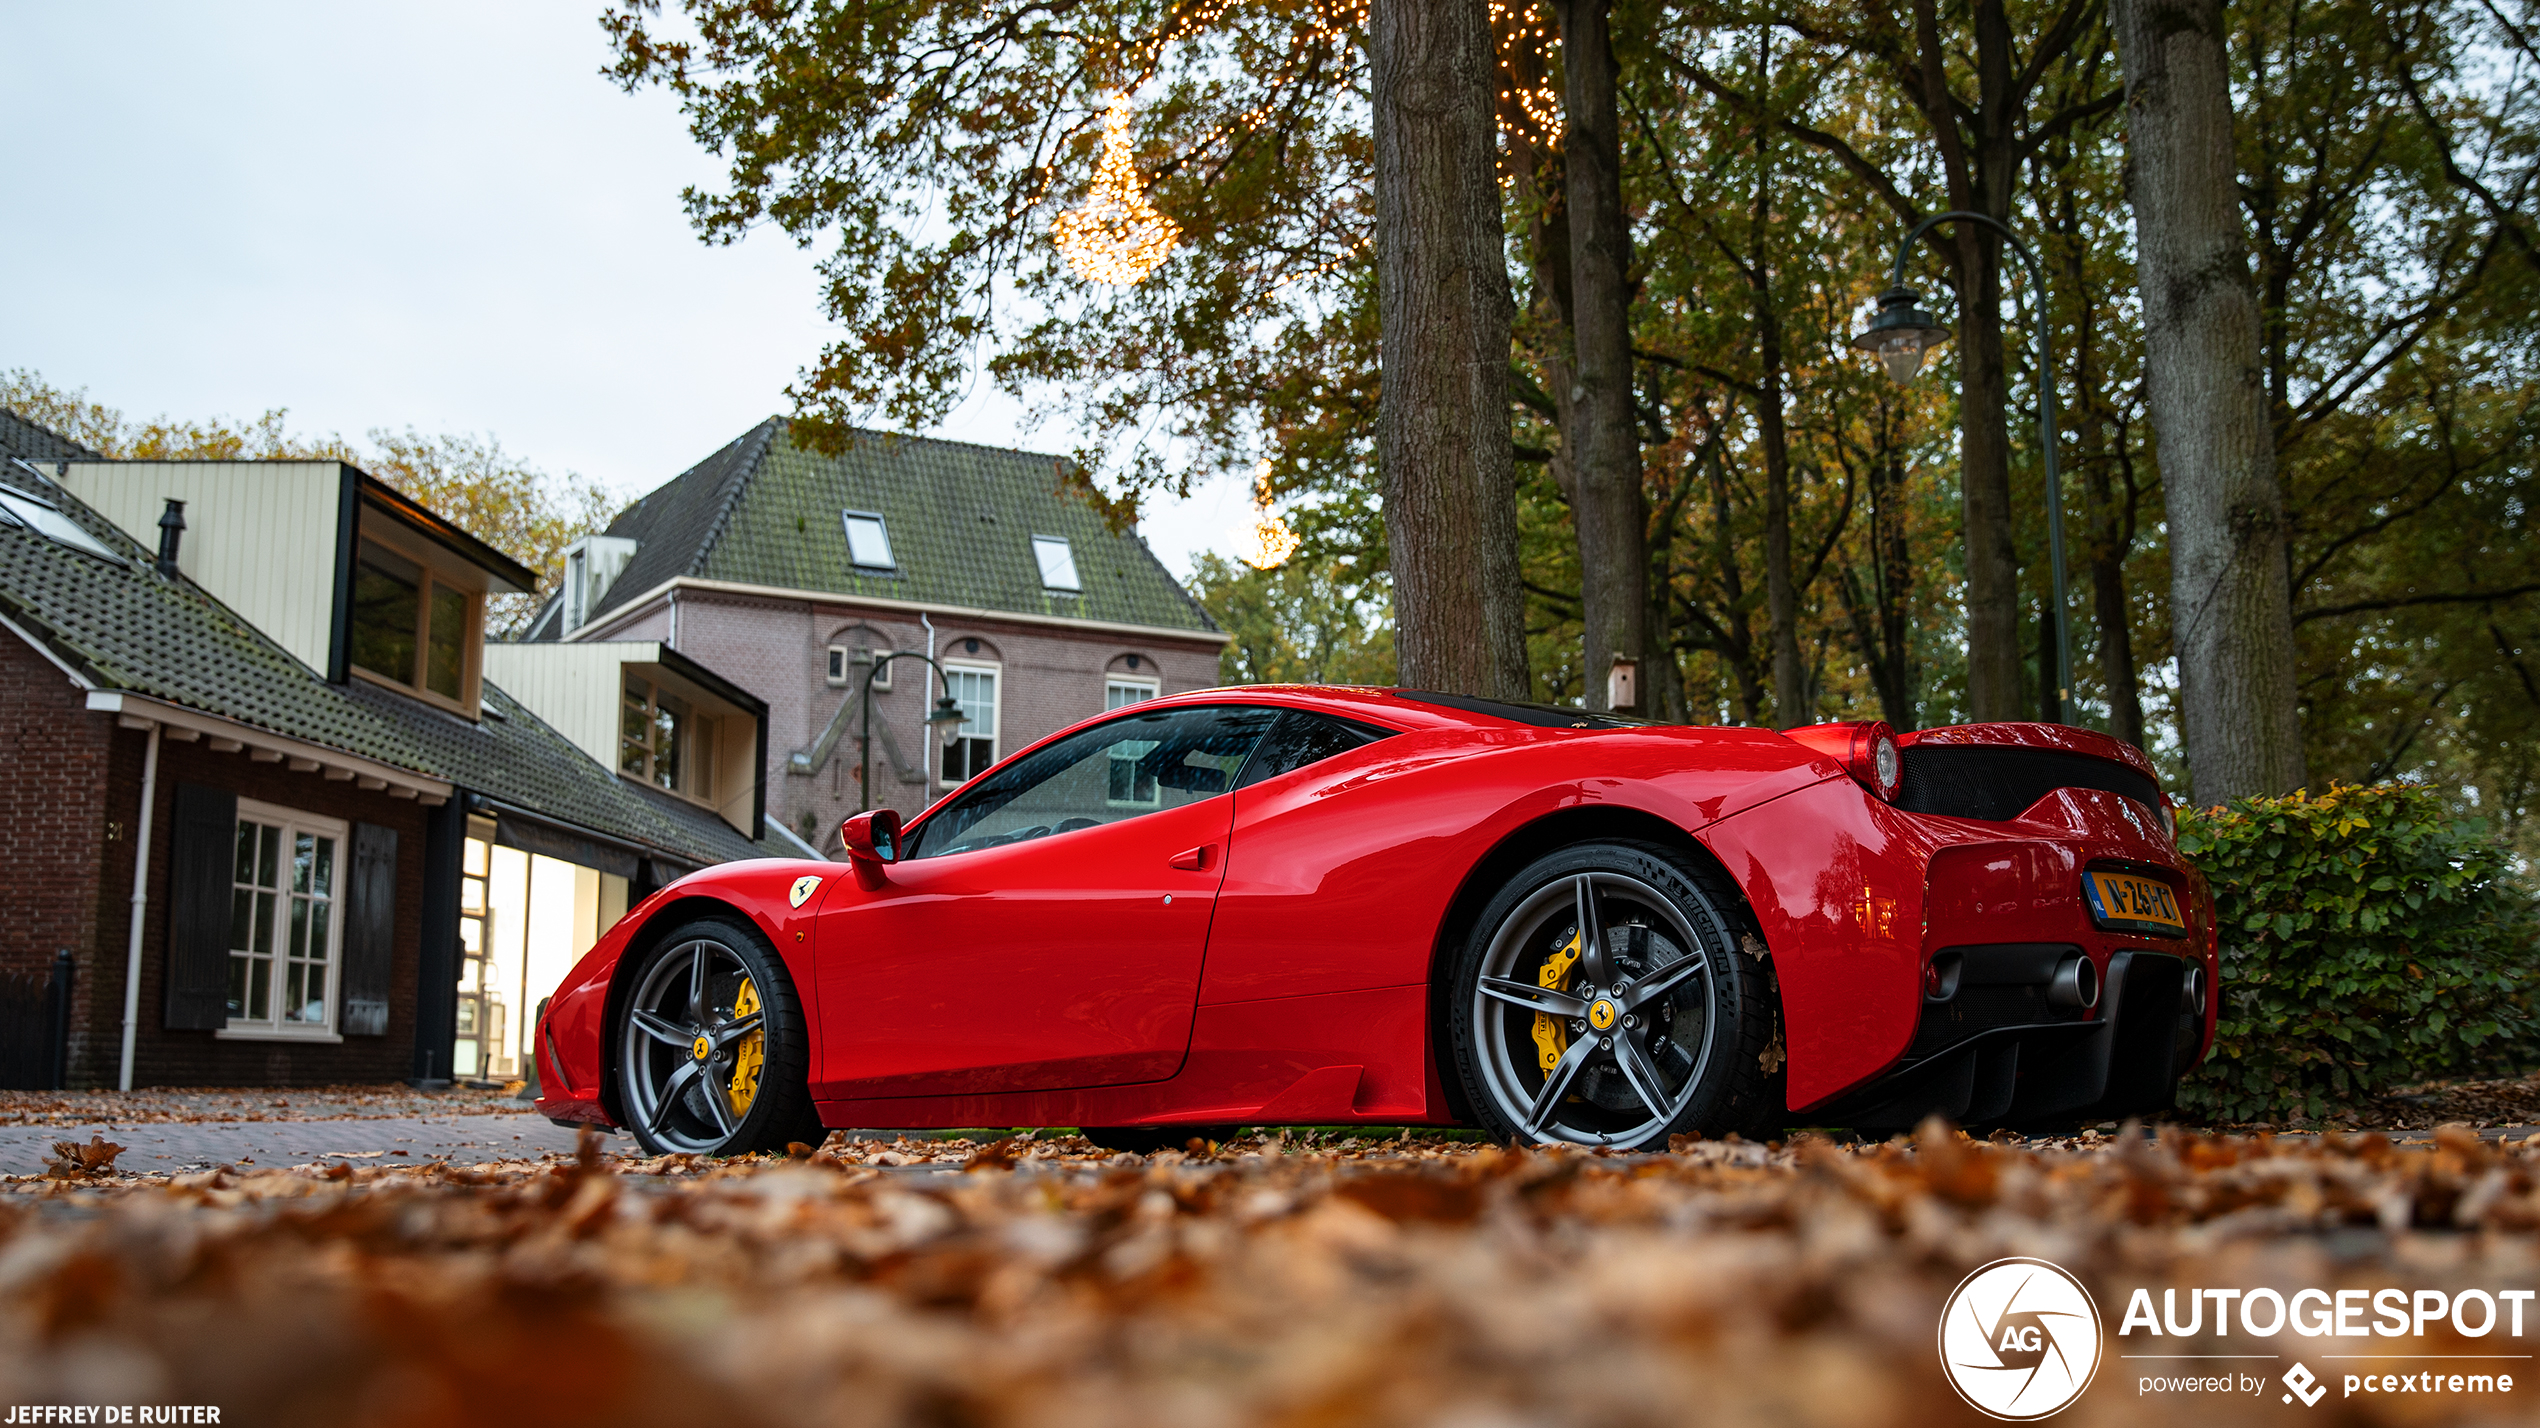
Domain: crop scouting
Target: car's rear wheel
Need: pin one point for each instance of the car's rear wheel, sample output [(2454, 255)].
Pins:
[(1605, 998), (713, 1056)]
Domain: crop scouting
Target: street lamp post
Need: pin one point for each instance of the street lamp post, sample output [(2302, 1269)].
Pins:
[(1899, 336), (946, 715)]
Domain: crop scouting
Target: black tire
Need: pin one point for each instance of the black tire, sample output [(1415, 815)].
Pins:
[(1670, 1031), (1147, 1140), (693, 991)]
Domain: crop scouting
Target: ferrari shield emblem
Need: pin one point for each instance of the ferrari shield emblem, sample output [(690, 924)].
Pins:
[(804, 887)]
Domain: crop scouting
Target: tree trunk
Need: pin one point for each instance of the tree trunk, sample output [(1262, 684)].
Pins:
[(1603, 442), (1791, 707), (1980, 156), (1882, 616), (1448, 470), (2116, 638), (1994, 681), (2231, 613), (1734, 639)]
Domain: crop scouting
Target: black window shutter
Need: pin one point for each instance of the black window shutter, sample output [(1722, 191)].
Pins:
[(370, 930), (202, 843)]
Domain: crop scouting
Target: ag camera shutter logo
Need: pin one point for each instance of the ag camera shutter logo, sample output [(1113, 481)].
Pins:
[(2019, 1339)]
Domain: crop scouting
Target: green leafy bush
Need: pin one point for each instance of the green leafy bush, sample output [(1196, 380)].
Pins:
[(2369, 940)]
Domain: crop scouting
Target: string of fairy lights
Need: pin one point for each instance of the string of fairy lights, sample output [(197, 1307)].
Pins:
[(1116, 236), (1269, 543)]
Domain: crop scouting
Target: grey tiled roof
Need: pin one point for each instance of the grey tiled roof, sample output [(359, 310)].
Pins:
[(20, 437), (763, 511), (127, 628)]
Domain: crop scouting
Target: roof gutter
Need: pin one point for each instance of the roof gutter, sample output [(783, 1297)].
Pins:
[(78, 680), (507, 812), (596, 629), (189, 724)]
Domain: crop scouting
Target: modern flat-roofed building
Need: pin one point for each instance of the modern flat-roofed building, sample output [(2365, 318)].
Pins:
[(274, 821)]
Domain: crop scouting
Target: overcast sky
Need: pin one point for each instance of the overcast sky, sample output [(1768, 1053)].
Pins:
[(377, 215)]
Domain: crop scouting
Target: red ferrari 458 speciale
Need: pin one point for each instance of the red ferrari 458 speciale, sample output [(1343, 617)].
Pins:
[(1332, 905)]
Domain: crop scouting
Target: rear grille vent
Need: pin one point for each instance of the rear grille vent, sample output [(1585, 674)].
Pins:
[(1996, 782), (1999, 985)]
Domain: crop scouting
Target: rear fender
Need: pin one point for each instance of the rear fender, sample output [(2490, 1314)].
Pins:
[(1834, 878)]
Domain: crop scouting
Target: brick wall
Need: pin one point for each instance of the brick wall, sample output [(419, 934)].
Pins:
[(55, 819), (201, 1058), (777, 649)]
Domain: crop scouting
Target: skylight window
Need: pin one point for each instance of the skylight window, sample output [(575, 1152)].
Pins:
[(1058, 563), (43, 519), (868, 541)]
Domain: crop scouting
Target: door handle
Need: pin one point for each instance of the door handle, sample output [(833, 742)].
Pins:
[(1192, 860)]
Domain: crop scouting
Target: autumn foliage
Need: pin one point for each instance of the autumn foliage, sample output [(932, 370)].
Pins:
[(1424, 1282), (2369, 941)]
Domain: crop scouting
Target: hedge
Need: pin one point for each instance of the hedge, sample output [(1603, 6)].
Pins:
[(2369, 940)]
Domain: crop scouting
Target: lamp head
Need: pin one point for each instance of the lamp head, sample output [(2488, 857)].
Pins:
[(1901, 333), (946, 717)]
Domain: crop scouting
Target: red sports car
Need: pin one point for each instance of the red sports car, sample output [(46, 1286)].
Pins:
[(1331, 905)]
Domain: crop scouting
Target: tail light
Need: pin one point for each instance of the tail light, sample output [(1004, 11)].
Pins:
[(1866, 748)]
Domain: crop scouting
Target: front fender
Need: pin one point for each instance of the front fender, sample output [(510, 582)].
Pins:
[(781, 897)]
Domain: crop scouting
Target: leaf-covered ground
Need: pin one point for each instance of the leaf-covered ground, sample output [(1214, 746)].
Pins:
[(1038, 1282), (252, 1103)]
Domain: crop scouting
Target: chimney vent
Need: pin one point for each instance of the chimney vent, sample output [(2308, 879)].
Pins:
[(171, 531)]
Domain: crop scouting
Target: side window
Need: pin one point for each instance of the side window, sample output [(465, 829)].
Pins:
[(1131, 766), (1302, 739)]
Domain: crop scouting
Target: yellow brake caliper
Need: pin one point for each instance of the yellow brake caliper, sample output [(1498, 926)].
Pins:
[(1551, 1040), (751, 1054)]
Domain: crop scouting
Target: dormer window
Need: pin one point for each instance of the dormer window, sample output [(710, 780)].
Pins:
[(591, 565), (868, 541), (1058, 563), (412, 629)]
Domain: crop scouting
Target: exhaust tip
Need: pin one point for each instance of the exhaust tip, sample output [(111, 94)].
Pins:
[(2075, 986), (1940, 977)]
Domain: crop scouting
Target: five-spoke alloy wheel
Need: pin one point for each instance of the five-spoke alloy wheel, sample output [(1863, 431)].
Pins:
[(1605, 998), (712, 1053)]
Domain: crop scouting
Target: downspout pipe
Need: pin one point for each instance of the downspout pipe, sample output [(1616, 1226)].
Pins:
[(928, 756), (140, 905)]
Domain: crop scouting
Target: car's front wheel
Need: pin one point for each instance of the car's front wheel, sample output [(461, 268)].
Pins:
[(713, 1055), (1605, 998)]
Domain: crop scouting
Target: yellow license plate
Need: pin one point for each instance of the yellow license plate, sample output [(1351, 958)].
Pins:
[(2124, 902)]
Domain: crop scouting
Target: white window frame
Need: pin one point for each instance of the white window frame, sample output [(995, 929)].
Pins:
[(1148, 689), (292, 821), (841, 668), (1065, 551), (701, 730), (1132, 750), (846, 522), (471, 639), (577, 581), (996, 712)]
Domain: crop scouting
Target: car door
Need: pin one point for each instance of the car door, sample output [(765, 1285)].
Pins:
[(1045, 930)]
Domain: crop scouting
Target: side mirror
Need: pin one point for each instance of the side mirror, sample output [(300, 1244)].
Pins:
[(873, 840)]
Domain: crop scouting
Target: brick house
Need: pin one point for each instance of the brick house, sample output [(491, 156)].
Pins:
[(285, 726), (792, 573)]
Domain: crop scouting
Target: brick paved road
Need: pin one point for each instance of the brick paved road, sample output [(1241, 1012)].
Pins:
[(176, 1147)]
